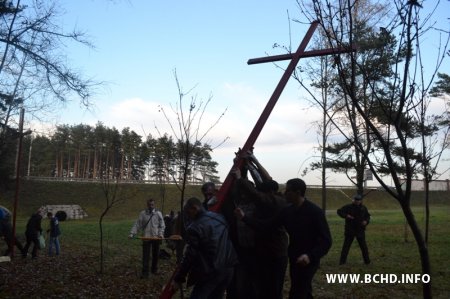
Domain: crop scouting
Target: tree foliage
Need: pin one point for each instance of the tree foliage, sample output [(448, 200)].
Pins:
[(34, 70), (385, 97), (86, 152)]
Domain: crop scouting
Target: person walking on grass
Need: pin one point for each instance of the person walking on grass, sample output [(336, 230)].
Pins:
[(151, 223), (32, 233), (54, 233), (357, 218)]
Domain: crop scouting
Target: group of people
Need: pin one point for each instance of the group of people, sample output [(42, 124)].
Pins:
[(32, 233), (245, 251)]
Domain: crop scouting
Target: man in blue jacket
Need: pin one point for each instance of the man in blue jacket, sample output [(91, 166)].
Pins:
[(7, 232), (209, 257), (54, 232)]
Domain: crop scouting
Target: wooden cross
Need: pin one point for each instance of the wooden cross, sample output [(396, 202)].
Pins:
[(168, 292), (295, 58)]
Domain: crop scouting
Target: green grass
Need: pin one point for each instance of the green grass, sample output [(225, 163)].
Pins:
[(90, 197), (389, 254), (389, 251), (385, 237)]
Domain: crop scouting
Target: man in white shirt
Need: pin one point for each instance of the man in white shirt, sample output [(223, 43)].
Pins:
[(151, 223)]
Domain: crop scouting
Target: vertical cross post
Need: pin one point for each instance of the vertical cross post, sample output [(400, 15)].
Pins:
[(224, 189)]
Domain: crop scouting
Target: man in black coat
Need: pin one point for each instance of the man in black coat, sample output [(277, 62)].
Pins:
[(356, 217), (32, 233), (209, 257), (309, 236)]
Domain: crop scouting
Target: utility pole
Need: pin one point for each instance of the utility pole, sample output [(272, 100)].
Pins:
[(18, 160)]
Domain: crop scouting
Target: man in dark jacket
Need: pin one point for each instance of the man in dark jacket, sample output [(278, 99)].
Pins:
[(309, 236), (356, 218), (209, 257), (32, 233), (270, 252)]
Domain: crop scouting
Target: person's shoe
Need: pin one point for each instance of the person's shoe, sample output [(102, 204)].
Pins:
[(144, 275)]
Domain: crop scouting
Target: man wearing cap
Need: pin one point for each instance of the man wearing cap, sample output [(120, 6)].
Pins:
[(356, 218)]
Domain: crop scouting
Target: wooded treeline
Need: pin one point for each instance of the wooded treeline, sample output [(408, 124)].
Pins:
[(87, 152)]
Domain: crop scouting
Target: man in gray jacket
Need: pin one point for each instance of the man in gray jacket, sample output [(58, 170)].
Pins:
[(151, 223)]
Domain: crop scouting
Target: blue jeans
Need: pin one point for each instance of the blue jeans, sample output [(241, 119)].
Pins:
[(53, 241)]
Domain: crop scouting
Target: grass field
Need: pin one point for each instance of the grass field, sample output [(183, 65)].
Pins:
[(75, 272)]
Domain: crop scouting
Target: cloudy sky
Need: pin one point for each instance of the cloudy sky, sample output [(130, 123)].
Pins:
[(139, 44)]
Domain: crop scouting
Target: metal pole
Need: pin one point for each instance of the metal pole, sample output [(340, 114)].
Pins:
[(16, 198), (29, 156)]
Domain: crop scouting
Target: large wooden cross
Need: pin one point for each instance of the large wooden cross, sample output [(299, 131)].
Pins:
[(295, 58), (168, 292)]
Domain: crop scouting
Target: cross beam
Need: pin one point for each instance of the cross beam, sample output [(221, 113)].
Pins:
[(168, 292), (306, 54)]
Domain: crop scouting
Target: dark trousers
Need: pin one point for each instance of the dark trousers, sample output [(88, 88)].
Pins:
[(244, 282), (361, 238), (301, 280), (270, 274), (146, 246), (6, 231), (31, 238), (214, 286)]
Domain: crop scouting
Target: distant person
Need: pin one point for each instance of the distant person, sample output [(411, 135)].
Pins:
[(6, 231), (151, 223), (309, 236), (169, 231), (54, 233), (209, 194), (209, 257), (32, 233), (357, 218), (168, 219)]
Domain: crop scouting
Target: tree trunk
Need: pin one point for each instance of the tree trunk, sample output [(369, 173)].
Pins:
[(94, 171), (423, 250), (427, 208), (102, 257), (324, 160), (61, 165), (68, 164), (121, 166)]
